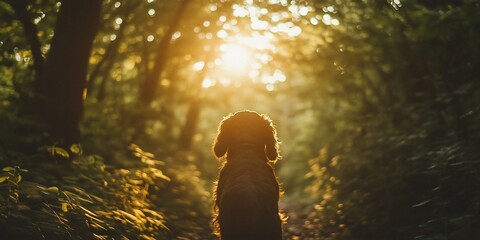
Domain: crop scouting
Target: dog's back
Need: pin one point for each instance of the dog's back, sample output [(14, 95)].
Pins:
[(247, 198), (247, 191)]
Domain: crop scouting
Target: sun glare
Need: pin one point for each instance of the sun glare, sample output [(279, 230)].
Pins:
[(247, 48), (235, 56), (243, 57)]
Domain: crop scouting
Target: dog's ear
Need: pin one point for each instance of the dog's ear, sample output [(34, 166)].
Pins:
[(221, 143), (271, 143)]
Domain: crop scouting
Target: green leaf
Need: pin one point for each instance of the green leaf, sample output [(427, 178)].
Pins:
[(76, 149), (53, 190), (58, 151), (64, 207), (3, 178), (19, 178), (8, 169), (160, 174)]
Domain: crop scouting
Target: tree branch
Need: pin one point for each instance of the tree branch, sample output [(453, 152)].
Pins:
[(31, 33), (148, 88), (110, 54)]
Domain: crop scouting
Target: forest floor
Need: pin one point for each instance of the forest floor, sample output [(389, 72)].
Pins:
[(300, 224)]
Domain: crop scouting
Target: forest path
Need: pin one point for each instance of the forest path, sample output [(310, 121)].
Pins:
[(300, 224)]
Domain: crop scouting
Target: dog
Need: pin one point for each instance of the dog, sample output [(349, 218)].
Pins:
[(247, 191)]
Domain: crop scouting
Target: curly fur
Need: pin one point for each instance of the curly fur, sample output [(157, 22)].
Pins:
[(247, 192)]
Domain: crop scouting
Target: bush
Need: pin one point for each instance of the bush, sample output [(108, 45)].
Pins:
[(90, 200)]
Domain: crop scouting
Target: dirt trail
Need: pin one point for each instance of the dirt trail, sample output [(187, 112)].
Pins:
[(299, 224)]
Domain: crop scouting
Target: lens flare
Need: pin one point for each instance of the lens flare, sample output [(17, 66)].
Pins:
[(235, 56)]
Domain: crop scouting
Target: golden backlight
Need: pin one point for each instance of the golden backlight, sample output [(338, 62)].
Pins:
[(235, 57), (248, 42)]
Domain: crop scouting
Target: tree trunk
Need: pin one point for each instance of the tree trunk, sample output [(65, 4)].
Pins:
[(149, 87), (104, 66), (31, 33), (62, 85), (190, 127), (194, 109)]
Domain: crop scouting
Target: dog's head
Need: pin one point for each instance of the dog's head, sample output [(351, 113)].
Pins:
[(246, 127)]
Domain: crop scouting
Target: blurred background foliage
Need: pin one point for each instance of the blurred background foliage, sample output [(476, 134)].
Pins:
[(376, 104)]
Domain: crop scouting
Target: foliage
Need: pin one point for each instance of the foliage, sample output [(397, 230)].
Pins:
[(404, 118), (90, 200)]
